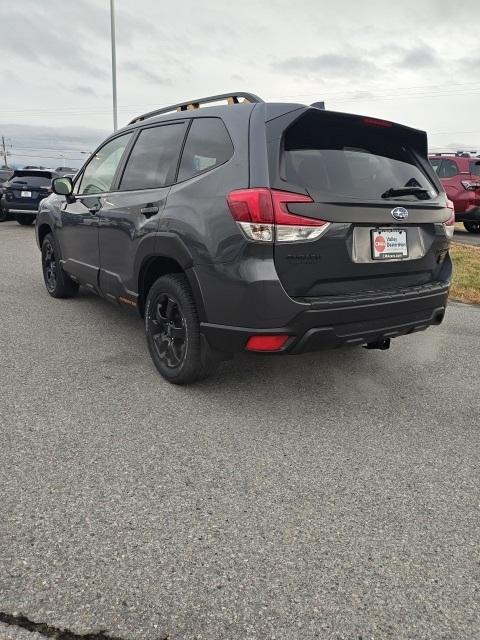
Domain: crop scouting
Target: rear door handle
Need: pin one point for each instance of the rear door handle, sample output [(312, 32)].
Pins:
[(149, 211)]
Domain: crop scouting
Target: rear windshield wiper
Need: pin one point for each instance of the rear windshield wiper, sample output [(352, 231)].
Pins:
[(405, 191)]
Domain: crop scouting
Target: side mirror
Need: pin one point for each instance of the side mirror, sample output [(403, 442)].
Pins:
[(62, 186)]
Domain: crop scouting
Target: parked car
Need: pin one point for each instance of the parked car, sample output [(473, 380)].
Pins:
[(5, 174), (24, 191), (460, 176), (258, 227), (65, 171)]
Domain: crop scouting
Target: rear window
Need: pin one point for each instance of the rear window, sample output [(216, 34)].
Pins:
[(154, 158), (448, 169), (208, 146), (31, 181), (342, 157), (475, 168)]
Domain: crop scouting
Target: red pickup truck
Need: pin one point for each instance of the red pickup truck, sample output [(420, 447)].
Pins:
[(460, 177)]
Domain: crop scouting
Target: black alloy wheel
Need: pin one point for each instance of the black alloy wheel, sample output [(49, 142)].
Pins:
[(172, 326), (57, 282), (49, 264), (169, 330)]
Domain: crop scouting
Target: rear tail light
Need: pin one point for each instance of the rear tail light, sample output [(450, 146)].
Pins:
[(266, 343), (449, 225), (471, 185), (262, 215), (253, 211)]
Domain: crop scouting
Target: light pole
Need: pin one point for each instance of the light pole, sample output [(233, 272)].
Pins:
[(114, 63), (4, 151)]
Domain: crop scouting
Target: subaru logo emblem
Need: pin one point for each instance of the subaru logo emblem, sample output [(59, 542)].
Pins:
[(399, 213)]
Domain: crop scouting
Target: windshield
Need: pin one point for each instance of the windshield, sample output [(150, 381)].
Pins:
[(341, 156)]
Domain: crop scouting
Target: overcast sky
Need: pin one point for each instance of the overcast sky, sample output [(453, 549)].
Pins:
[(413, 61)]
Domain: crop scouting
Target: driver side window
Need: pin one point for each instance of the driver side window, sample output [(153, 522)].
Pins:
[(100, 170)]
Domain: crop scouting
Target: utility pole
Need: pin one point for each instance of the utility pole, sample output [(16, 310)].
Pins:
[(114, 63), (5, 152)]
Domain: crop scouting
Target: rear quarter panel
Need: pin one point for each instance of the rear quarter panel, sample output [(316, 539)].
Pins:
[(197, 209)]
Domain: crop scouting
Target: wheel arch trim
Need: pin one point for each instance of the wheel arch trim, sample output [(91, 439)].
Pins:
[(167, 246)]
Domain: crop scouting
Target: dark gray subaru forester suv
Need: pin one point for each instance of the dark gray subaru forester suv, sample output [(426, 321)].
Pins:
[(254, 226)]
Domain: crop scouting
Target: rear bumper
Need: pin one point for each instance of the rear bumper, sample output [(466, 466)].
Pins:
[(15, 208), (331, 323)]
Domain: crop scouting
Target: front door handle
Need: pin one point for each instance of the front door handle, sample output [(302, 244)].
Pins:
[(149, 211)]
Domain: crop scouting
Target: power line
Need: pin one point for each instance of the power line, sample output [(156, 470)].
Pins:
[(416, 96), (434, 133), (59, 149), (438, 90), (355, 97), (432, 87), (391, 96), (40, 155), (345, 100)]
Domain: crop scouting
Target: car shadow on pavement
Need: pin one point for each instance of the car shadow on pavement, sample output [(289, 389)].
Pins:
[(347, 375)]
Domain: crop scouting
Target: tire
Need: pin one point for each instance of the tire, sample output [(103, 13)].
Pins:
[(25, 219), (173, 332), (472, 227), (57, 282), (3, 212)]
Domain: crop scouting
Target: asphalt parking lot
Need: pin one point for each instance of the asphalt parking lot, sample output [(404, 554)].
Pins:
[(331, 495), (465, 237)]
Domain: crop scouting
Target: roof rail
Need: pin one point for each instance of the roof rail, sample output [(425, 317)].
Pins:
[(456, 154), (232, 98)]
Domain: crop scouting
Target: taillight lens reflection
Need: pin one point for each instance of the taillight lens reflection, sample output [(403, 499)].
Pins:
[(262, 215), (449, 225)]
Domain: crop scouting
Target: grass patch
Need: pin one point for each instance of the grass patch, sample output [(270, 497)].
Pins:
[(466, 273)]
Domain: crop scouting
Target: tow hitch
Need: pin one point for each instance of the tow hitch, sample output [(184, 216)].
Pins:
[(383, 345)]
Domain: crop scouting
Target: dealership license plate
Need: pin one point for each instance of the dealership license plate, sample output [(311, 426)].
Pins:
[(389, 244), (26, 194)]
